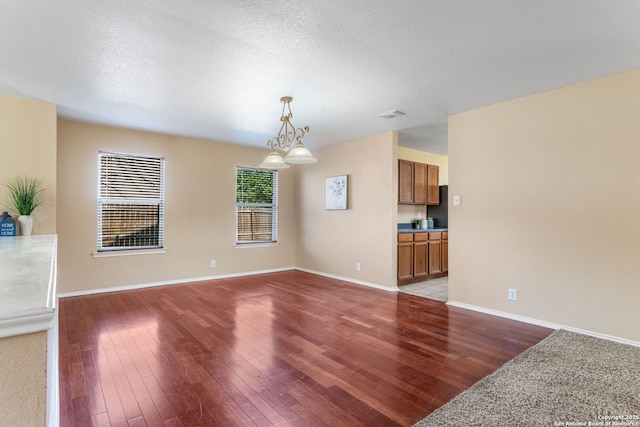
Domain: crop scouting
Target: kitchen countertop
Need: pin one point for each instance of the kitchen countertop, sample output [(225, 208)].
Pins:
[(420, 230), (27, 284)]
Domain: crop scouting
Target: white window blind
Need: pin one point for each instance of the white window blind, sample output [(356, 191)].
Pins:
[(256, 205), (130, 202)]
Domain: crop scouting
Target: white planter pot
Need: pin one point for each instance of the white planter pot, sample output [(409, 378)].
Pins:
[(26, 224)]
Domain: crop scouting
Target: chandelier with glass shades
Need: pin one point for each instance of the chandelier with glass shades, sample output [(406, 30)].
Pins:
[(285, 140)]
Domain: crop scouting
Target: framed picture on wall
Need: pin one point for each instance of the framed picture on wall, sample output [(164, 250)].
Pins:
[(335, 193)]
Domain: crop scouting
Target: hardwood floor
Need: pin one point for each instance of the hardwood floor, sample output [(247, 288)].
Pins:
[(287, 348)]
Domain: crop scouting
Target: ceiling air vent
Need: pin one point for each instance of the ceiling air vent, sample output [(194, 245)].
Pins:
[(390, 114)]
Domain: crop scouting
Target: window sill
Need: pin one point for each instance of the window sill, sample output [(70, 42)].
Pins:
[(255, 245), (107, 254)]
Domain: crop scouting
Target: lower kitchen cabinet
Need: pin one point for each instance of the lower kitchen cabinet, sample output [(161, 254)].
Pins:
[(445, 251), (405, 256), (435, 262), (422, 256), (438, 252)]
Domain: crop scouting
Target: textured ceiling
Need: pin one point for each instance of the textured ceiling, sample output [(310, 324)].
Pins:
[(217, 69)]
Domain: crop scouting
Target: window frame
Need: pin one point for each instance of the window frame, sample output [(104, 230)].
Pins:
[(104, 201), (273, 205)]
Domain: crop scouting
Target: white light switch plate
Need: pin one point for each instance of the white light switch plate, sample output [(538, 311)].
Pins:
[(456, 200)]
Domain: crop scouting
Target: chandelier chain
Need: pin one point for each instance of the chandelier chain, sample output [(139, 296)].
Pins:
[(289, 135)]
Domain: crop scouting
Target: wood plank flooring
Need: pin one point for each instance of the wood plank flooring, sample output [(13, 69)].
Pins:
[(282, 349)]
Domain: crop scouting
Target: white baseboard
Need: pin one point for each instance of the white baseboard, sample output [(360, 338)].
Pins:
[(168, 282), (350, 280), (542, 323), (222, 276)]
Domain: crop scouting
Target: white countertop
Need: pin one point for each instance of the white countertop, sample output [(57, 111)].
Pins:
[(27, 284)]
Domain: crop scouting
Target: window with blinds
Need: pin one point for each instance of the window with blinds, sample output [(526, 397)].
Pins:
[(130, 202), (256, 205)]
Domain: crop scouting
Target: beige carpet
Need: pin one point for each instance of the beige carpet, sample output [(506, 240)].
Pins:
[(568, 379)]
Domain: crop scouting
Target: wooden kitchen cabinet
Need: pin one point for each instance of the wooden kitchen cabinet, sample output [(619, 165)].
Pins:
[(435, 253), (405, 182), (433, 185), (420, 179), (422, 256), (445, 251), (438, 252), (405, 256), (418, 183)]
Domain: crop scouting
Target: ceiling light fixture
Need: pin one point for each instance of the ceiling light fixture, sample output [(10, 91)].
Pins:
[(285, 140)]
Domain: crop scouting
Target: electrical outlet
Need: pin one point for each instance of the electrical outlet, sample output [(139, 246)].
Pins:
[(513, 294), (213, 263), (357, 266)]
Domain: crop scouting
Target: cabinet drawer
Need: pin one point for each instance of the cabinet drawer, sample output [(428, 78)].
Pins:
[(419, 237), (405, 237), (435, 236), (445, 235)]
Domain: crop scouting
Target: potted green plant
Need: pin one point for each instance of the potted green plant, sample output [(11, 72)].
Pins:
[(416, 222), (25, 195)]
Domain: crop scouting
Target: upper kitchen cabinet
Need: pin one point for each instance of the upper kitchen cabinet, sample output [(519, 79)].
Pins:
[(420, 179), (433, 185), (417, 183), (405, 181)]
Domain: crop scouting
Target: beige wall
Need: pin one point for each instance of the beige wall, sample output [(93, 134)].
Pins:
[(407, 212), (28, 148), (199, 210), (23, 380), (333, 242), (550, 206)]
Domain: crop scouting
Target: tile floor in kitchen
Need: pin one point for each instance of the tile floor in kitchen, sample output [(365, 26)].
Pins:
[(437, 289)]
